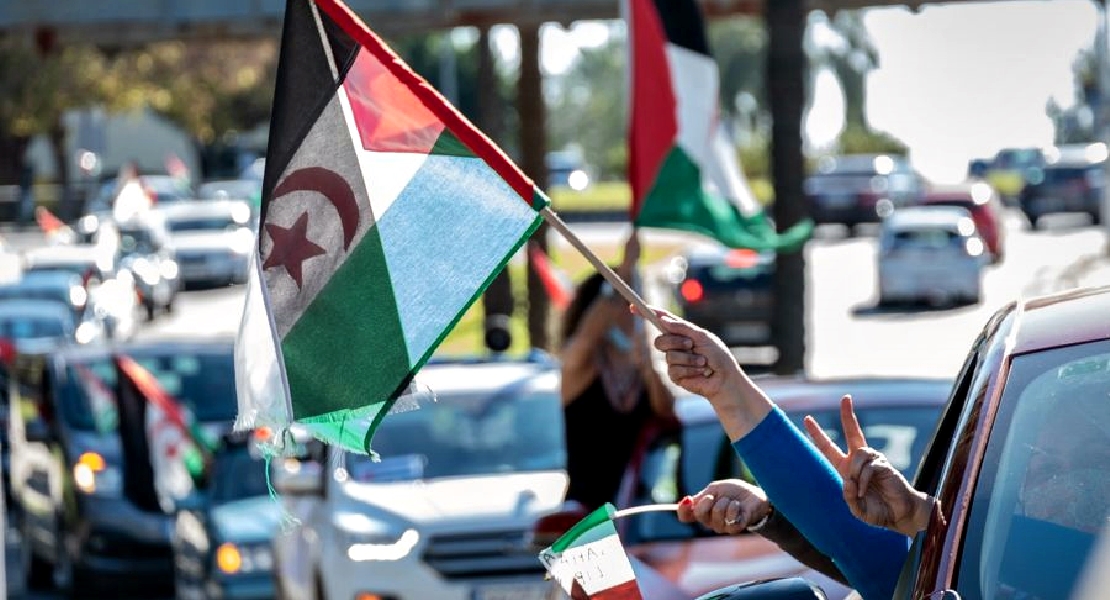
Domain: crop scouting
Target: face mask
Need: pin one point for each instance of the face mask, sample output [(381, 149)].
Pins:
[(619, 340)]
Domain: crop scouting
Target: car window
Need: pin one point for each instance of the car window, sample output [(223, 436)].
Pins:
[(20, 327), (203, 382), (925, 239), (1044, 490), (136, 241), (672, 469), (237, 475), (507, 430)]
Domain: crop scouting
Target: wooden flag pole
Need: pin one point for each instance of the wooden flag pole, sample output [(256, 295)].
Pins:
[(609, 274)]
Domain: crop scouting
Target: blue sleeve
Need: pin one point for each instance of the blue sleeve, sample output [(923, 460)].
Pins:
[(807, 490)]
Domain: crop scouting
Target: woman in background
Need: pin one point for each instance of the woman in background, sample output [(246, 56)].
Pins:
[(612, 392)]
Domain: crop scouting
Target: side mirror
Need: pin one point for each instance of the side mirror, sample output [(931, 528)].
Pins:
[(794, 588), (550, 527), (37, 431), (298, 478)]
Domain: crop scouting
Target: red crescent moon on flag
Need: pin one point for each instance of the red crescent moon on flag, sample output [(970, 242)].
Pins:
[(330, 185)]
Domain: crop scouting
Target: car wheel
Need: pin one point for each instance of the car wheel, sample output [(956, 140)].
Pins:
[(318, 589), (150, 310), (1096, 218), (37, 571), (1034, 222)]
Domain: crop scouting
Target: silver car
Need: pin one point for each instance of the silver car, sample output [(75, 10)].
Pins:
[(212, 240), (932, 254)]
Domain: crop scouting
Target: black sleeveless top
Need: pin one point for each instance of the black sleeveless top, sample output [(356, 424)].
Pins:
[(600, 441)]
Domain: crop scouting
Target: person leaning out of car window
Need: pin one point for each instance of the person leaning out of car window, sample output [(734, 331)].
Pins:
[(611, 389), (804, 483)]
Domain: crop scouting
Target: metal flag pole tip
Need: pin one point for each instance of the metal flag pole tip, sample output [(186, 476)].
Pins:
[(635, 510)]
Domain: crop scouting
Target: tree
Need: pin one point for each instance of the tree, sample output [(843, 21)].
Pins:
[(37, 85)]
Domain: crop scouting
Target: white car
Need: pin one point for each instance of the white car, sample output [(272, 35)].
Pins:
[(212, 240), (931, 254), (447, 513)]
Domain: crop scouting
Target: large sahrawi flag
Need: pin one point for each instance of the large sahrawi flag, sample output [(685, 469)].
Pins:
[(385, 215), (589, 561), (682, 168)]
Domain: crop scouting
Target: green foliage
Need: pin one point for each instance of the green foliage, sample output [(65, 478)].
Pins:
[(35, 89), (856, 139)]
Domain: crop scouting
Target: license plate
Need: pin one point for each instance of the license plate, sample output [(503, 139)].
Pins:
[(747, 331), (513, 591)]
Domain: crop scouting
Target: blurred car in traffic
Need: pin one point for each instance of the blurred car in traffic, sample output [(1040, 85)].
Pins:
[(144, 251), (212, 240), (246, 190), (931, 254), (94, 264), (60, 286), (112, 293), (24, 320), (222, 533), (728, 292), (1010, 171), (983, 204), (1021, 457), (898, 416), (447, 511), (79, 533), (1073, 179), (861, 188)]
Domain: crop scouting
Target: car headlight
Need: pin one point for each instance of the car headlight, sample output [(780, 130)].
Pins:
[(94, 476), (169, 269), (244, 558), (78, 296), (367, 539)]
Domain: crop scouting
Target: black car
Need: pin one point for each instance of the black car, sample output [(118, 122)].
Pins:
[(80, 533), (1072, 180), (222, 534), (861, 188), (727, 292)]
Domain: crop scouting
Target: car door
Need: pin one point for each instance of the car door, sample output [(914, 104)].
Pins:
[(948, 468)]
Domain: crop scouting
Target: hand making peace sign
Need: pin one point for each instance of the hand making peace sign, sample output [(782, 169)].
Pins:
[(875, 491)]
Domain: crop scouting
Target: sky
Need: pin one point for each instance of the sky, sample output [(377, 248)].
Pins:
[(954, 82)]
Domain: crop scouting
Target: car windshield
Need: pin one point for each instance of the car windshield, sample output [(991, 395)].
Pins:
[(23, 327), (202, 381), (1043, 495), (674, 468), (136, 241), (237, 475), (510, 430), (925, 239), (203, 224)]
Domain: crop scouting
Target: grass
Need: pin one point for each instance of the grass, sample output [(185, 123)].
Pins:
[(616, 195), (468, 336)]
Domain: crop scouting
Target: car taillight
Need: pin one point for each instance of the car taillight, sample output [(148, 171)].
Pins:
[(691, 290), (551, 527)]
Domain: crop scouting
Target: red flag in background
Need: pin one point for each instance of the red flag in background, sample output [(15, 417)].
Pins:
[(555, 281)]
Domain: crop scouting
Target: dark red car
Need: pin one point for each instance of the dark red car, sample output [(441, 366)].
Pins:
[(1021, 458), (986, 209)]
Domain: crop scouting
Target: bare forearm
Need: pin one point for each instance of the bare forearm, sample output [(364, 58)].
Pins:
[(741, 406)]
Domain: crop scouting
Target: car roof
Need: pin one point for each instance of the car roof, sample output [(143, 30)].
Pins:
[(701, 254), (927, 216), (200, 208), (41, 279), (62, 254), (180, 343), (799, 394), (1062, 319), (36, 307)]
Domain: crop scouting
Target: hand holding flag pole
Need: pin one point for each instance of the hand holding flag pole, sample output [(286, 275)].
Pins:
[(609, 274)]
